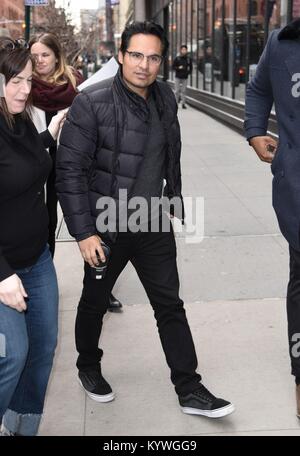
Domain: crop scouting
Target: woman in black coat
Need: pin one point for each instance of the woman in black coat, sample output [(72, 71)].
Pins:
[(28, 284), (54, 88)]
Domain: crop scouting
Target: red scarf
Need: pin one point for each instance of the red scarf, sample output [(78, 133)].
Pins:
[(50, 97)]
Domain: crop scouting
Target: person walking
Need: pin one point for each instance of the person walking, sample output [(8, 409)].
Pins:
[(277, 81), (28, 284), (121, 139), (183, 67), (54, 89)]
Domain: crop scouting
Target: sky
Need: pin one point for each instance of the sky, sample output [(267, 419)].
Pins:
[(77, 5), (86, 4)]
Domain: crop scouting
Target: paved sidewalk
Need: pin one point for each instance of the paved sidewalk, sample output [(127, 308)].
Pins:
[(233, 284)]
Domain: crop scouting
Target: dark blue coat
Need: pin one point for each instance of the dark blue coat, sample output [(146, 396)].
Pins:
[(277, 80)]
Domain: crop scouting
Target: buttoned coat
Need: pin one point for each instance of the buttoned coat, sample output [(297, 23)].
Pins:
[(277, 80)]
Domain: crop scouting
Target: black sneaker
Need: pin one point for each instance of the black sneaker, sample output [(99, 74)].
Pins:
[(5, 432), (114, 304), (202, 402), (95, 386)]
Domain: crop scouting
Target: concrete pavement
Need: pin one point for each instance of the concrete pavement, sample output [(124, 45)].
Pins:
[(233, 284)]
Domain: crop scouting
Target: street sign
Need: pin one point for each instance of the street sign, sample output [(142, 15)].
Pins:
[(35, 2)]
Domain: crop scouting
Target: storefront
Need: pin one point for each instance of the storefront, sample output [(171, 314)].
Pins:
[(225, 39)]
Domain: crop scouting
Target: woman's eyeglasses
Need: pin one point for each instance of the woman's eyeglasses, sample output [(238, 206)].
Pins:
[(8, 44)]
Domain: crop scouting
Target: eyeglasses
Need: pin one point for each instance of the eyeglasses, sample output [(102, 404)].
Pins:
[(138, 57), (8, 44)]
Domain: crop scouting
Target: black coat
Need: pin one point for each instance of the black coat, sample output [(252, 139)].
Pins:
[(102, 146), (24, 168), (183, 66), (277, 80)]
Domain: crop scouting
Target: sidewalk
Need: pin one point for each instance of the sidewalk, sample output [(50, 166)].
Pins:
[(233, 284)]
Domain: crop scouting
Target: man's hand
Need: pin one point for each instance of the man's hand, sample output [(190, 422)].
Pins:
[(265, 147), (89, 248), (12, 293)]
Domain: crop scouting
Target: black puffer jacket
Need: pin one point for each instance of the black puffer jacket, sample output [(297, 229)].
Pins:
[(102, 146)]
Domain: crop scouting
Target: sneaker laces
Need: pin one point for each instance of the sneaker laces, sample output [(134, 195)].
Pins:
[(203, 393)]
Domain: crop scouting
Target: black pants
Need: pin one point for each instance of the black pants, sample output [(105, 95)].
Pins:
[(293, 311), (154, 257)]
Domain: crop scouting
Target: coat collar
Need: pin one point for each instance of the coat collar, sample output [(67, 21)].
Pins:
[(291, 31), (136, 103)]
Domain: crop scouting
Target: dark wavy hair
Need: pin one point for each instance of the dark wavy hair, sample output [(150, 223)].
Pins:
[(147, 28), (13, 60)]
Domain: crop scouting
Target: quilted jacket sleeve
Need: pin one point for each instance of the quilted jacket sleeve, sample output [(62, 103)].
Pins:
[(75, 156)]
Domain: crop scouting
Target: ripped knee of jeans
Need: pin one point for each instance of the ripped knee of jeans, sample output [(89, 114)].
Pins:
[(2, 346)]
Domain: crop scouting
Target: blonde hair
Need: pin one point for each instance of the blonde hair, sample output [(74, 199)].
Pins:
[(63, 72)]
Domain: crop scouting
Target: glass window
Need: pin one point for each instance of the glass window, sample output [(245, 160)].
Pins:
[(176, 33), (171, 39), (217, 48), (194, 42), (201, 35), (183, 22), (189, 40), (225, 39), (296, 9)]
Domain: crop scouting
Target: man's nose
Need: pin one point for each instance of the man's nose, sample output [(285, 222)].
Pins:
[(144, 63)]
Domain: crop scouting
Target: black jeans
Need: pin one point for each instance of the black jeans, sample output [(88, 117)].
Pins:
[(154, 257), (293, 311)]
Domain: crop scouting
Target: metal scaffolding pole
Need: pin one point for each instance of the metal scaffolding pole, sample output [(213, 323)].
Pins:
[(109, 21), (27, 23)]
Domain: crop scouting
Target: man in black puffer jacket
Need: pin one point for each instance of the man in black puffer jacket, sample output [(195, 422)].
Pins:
[(120, 141)]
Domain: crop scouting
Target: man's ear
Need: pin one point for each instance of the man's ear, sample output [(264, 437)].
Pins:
[(120, 57)]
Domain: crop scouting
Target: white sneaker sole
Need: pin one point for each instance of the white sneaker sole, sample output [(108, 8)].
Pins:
[(224, 411), (97, 397)]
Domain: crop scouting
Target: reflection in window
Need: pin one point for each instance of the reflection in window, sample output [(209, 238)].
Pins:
[(296, 9), (225, 39)]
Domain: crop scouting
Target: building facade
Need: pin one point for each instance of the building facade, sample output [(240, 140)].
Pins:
[(225, 39), (12, 14), (121, 9)]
